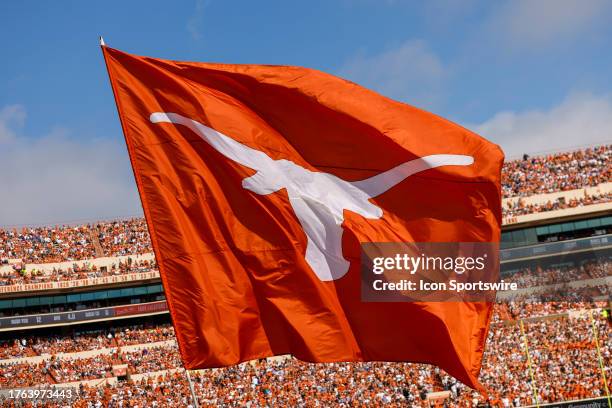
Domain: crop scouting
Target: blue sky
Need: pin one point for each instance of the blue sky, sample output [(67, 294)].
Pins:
[(530, 75)]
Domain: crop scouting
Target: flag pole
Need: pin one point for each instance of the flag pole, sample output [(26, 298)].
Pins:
[(533, 384), (601, 363), (191, 389)]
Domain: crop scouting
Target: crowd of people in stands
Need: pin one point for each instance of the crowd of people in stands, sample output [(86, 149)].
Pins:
[(65, 370), (557, 172), (564, 363), (62, 344), (152, 359), (566, 293), (74, 243), (17, 374), (126, 237), (561, 352), (19, 275), (47, 244), (558, 274), (519, 207), (86, 340), (141, 335), (524, 310)]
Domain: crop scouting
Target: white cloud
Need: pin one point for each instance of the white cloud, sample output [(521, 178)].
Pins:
[(196, 19), (580, 120), (411, 73), (59, 179), (11, 116), (536, 24)]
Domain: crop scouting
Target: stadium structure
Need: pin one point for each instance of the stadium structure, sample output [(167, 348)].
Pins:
[(82, 308)]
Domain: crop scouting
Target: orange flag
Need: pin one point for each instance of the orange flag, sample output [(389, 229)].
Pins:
[(258, 185)]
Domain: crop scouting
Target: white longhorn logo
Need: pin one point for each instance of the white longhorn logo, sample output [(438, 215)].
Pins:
[(318, 199)]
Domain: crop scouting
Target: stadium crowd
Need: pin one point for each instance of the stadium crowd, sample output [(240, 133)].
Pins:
[(562, 349), (152, 359), (64, 370), (559, 295), (557, 172), (538, 276), (87, 340), (125, 237), (74, 243), (19, 275), (526, 310), (512, 209), (47, 244)]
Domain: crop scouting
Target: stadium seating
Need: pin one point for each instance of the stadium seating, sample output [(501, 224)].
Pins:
[(562, 350)]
